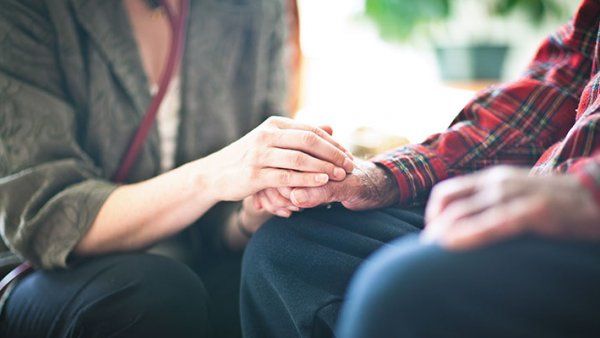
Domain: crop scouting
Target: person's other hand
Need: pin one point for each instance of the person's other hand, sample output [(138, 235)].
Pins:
[(495, 204), (279, 153), (367, 187), (252, 217), (244, 223)]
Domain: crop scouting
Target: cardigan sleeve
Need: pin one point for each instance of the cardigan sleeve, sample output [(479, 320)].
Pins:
[(50, 189)]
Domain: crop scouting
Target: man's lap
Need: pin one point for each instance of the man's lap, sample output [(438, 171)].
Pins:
[(524, 287), (298, 269), (309, 260)]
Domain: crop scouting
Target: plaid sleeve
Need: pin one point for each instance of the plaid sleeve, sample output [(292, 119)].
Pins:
[(507, 124)]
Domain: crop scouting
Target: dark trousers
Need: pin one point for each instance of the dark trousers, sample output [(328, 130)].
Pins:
[(525, 287), (296, 272), (127, 295)]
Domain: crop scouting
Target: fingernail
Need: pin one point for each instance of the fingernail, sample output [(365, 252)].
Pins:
[(339, 173), (284, 214), (293, 208), (348, 165), (321, 178), (300, 196)]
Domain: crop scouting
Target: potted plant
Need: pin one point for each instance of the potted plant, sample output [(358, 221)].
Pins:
[(475, 59)]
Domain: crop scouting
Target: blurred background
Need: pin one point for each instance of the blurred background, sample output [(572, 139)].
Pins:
[(387, 72)]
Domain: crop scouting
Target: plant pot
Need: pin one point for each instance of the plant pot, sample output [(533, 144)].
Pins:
[(473, 63)]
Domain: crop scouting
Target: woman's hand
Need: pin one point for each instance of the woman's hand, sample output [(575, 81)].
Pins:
[(279, 153), (244, 223), (502, 202)]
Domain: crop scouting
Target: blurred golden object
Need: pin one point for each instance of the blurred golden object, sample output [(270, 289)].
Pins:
[(367, 142)]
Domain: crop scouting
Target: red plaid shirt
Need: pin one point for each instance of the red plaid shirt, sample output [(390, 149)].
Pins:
[(549, 119)]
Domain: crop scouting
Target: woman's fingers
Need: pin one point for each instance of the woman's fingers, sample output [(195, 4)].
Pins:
[(297, 160), (327, 129), (310, 143), (278, 178), (285, 123)]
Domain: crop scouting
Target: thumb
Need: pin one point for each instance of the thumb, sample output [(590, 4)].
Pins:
[(327, 129), (312, 197)]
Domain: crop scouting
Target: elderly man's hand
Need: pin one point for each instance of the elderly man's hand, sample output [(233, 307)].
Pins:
[(495, 204), (367, 187)]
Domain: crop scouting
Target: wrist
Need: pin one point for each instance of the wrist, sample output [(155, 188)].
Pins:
[(386, 185), (201, 177)]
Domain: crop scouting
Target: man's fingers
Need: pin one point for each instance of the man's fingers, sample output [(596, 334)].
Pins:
[(496, 224), (299, 161), (443, 194), (285, 192), (482, 200), (312, 197)]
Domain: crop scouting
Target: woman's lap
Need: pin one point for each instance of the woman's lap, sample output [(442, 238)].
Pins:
[(129, 295)]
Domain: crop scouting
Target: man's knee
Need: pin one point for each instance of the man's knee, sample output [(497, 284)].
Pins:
[(397, 277), (409, 289), (264, 248)]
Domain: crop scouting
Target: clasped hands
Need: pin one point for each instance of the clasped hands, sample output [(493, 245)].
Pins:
[(464, 212), (284, 165), (474, 210)]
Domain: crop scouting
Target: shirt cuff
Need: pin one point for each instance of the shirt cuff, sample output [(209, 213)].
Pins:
[(416, 170)]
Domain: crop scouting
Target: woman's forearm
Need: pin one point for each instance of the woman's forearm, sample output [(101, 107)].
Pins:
[(279, 153), (137, 215)]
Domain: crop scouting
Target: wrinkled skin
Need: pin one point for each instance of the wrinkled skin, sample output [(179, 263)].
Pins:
[(502, 202)]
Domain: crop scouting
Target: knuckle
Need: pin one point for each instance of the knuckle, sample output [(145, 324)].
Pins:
[(263, 136), (254, 174), (274, 120), (284, 177), (439, 191), (271, 120), (298, 160), (327, 167), (541, 204), (255, 157), (310, 139)]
